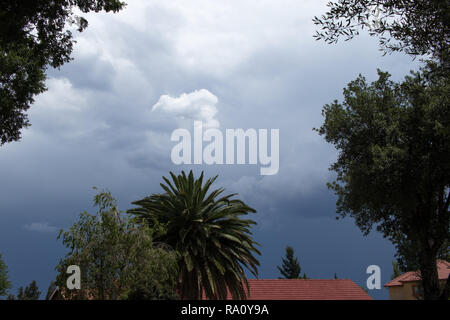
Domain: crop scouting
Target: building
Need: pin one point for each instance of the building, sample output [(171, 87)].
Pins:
[(305, 289), (408, 285)]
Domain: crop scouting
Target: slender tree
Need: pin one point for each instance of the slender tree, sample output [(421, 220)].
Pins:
[(213, 242), (290, 268)]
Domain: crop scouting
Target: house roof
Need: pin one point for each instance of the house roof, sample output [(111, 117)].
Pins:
[(295, 289), (443, 268), (305, 289)]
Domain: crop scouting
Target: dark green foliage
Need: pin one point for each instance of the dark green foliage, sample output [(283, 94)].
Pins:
[(407, 253), (33, 38), (290, 269), (415, 27), (152, 291), (5, 284), (153, 277), (115, 254), (393, 168), (31, 292), (206, 230), (395, 270)]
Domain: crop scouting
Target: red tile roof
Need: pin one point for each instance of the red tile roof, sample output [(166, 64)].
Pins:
[(305, 289), (443, 268)]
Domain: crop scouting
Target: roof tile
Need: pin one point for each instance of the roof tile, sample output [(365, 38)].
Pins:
[(443, 268), (305, 289)]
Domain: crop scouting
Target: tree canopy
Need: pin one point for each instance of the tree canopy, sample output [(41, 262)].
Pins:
[(33, 37), (31, 292), (415, 27), (407, 257), (205, 228), (393, 168), (117, 257)]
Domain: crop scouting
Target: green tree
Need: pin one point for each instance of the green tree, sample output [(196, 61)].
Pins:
[(153, 276), (290, 269), (392, 170), (5, 284), (212, 241), (33, 37), (407, 254), (115, 255), (31, 292), (414, 27)]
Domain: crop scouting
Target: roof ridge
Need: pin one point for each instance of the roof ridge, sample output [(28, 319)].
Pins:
[(325, 279), (441, 262)]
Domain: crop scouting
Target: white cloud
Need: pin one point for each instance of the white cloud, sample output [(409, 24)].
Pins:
[(209, 37), (217, 36), (42, 227), (197, 105)]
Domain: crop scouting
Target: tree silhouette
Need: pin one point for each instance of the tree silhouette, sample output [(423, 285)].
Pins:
[(290, 268)]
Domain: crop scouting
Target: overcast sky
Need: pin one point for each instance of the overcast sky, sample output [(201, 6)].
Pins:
[(107, 118)]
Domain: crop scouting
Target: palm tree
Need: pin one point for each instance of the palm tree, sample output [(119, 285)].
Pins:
[(212, 241)]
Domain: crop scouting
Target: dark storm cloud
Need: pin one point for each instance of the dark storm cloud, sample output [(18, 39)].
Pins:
[(87, 72)]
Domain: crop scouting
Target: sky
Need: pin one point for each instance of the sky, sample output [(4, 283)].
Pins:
[(108, 115)]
